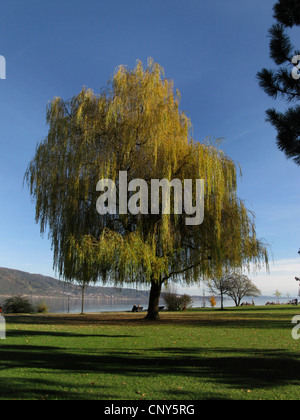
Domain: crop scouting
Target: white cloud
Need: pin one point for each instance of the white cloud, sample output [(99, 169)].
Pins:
[(282, 277)]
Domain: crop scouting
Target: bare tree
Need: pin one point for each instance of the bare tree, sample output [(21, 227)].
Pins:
[(240, 286), (219, 286)]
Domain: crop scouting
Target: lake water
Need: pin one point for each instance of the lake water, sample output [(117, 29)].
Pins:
[(259, 301), (73, 305), (62, 305)]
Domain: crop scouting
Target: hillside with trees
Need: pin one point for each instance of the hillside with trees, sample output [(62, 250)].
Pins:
[(15, 282)]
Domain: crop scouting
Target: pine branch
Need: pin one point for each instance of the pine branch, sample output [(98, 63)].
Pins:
[(287, 12), (279, 83), (288, 129), (281, 48)]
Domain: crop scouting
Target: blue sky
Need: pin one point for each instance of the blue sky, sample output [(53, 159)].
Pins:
[(212, 51)]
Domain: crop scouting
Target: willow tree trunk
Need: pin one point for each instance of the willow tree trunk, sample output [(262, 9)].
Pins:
[(153, 308)]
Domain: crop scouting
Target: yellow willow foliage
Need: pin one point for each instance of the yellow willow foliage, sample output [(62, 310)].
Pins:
[(135, 125)]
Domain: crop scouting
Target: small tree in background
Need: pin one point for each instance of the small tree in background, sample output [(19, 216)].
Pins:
[(277, 294), (219, 286), (212, 301), (240, 286)]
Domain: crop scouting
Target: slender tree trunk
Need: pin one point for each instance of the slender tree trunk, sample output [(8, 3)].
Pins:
[(222, 301), (153, 309), (82, 300)]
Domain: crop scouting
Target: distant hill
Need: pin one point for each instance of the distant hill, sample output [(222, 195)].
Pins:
[(15, 282)]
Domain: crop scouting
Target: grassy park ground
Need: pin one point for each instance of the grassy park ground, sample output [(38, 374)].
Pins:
[(241, 353)]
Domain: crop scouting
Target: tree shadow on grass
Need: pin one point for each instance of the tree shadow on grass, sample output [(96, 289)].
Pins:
[(230, 367), (189, 319), (43, 389), (240, 368), (64, 334)]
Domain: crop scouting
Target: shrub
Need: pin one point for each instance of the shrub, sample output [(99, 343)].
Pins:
[(187, 302), (42, 308), (18, 305), (172, 301), (176, 302)]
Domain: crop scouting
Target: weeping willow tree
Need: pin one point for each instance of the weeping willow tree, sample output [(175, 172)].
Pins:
[(135, 125)]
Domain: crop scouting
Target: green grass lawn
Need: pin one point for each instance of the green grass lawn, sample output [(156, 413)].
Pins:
[(242, 353)]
